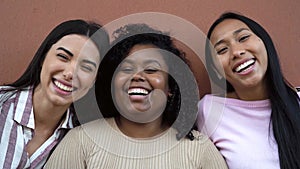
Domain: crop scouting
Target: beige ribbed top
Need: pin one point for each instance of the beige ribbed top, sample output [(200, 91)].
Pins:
[(100, 144)]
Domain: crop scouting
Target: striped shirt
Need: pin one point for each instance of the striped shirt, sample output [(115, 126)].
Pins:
[(17, 129)]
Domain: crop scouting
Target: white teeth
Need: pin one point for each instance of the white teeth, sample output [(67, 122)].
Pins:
[(244, 65), (138, 91), (63, 87)]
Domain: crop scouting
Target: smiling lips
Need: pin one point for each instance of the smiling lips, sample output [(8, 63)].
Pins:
[(138, 94), (244, 66), (62, 86), (138, 91)]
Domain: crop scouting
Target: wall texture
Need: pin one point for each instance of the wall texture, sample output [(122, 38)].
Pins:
[(24, 25)]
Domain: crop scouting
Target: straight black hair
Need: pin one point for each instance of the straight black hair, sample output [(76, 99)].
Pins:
[(31, 76), (285, 116), (92, 30)]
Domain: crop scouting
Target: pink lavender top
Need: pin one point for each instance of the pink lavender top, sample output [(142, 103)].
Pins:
[(240, 130)]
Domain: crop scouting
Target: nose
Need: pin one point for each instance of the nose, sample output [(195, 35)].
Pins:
[(69, 72), (139, 76), (237, 51)]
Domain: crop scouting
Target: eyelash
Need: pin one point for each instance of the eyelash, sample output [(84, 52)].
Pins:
[(221, 51), (87, 68), (126, 70), (147, 70), (150, 70), (63, 57), (243, 38)]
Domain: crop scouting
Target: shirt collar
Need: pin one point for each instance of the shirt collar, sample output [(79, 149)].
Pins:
[(24, 114), (67, 122), (23, 109)]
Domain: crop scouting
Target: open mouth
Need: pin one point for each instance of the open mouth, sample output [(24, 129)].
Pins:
[(62, 86), (244, 66), (138, 91)]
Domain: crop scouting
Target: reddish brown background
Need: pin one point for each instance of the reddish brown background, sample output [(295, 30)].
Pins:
[(24, 25)]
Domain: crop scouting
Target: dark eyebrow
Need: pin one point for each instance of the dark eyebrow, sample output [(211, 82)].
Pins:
[(126, 61), (145, 62), (89, 62), (67, 51), (152, 61), (218, 43), (240, 30), (234, 33)]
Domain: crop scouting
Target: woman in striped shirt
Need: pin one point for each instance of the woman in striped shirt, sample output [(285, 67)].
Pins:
[(37, 110)]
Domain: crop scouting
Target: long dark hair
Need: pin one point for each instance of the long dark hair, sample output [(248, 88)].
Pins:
[(31, 76), (285, 117), (141, 34)]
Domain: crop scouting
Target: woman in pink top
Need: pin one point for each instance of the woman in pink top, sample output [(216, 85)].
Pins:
[(256, 122)]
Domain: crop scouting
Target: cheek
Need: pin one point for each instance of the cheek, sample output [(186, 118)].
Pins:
[(85, 79), (120, 80), (260, 46), (52, 65), (219, 61), (262, 53), (48, 70), (265, 57), (159, 81), (221, 64), (119, 84)]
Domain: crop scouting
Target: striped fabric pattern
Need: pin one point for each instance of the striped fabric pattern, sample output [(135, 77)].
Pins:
[(17, 129)]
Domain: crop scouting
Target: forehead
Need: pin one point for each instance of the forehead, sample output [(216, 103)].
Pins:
[(77, 44), (146, 54), (226, 28), (76, 41), (72, 39)]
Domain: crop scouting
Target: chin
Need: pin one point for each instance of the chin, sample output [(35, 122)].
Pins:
[(59, 101)]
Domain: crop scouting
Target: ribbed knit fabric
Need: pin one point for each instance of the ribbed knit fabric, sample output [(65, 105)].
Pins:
[(100, 144)]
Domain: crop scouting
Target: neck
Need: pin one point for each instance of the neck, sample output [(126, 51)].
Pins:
[(46, 114), (259, 92), (141, 130)]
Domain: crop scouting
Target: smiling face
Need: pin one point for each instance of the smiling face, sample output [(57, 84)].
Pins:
[(140, 85), (239, 54), (69, 70)]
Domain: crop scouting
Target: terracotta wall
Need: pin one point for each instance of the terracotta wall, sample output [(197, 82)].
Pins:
[(24, 24)]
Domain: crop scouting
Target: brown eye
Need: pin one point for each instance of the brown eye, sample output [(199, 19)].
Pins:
[(86, 68), (151, 70), (127, 69), (221, 51), (62, 57), (244, 38)]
